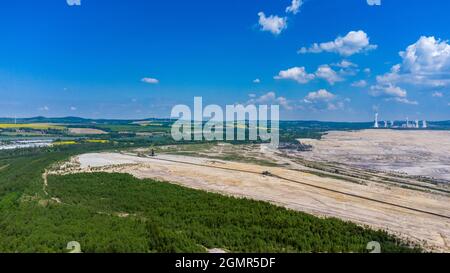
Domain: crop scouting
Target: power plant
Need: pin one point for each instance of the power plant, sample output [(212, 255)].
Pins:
[(407, 124), (376, 121)]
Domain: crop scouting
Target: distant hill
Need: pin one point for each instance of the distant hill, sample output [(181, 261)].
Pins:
[(307, 124), (71, 120)]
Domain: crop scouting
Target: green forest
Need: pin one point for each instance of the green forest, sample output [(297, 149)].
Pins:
[(119, 213)]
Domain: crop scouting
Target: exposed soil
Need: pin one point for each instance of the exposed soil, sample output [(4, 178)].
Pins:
[(398, 210)]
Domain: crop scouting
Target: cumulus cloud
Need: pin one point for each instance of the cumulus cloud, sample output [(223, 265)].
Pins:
[(295, 6), (256, 81), (150, 80), (270, 98), (424, 63), (347, 68), (428, 59), (44, 108), (284, 103), (297, 74), (361, 83), (374, 2), (428, 54), (74, 2), (273, 23), (321, 95), (389, 90), (323, 100), (346, 64), (73, 108), (391, 93), (352, 43), (437, 94), (327, 73)]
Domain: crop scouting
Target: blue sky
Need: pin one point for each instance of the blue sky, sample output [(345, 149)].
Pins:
[(137, 59)]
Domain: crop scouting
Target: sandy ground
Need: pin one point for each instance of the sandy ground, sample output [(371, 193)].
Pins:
[(86, 131), (421, 153), (432, 232)]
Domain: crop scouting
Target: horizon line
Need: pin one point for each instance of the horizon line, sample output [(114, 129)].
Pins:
[(164, 118)]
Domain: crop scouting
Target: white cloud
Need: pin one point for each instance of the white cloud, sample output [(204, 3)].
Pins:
[(403, 100), (391, 77), (295, 6), (361, 83), (424, 63), (321, 95), (297, 74), (266, 98), (427, 55), (300, 75), (270, 98), (367, 70), (352, 43), (347, 68), (388, 91), (150, 80), (438, 94), (44, 108), (395, 91), (346, 64), (374, 2), (428, 59), (73, 2), (392, 93), (256, 81), (283, 102), (323, 100), (73, 108), (273, 23), (327, 73)]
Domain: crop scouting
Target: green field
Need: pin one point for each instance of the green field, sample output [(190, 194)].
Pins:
[(34, 126)]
